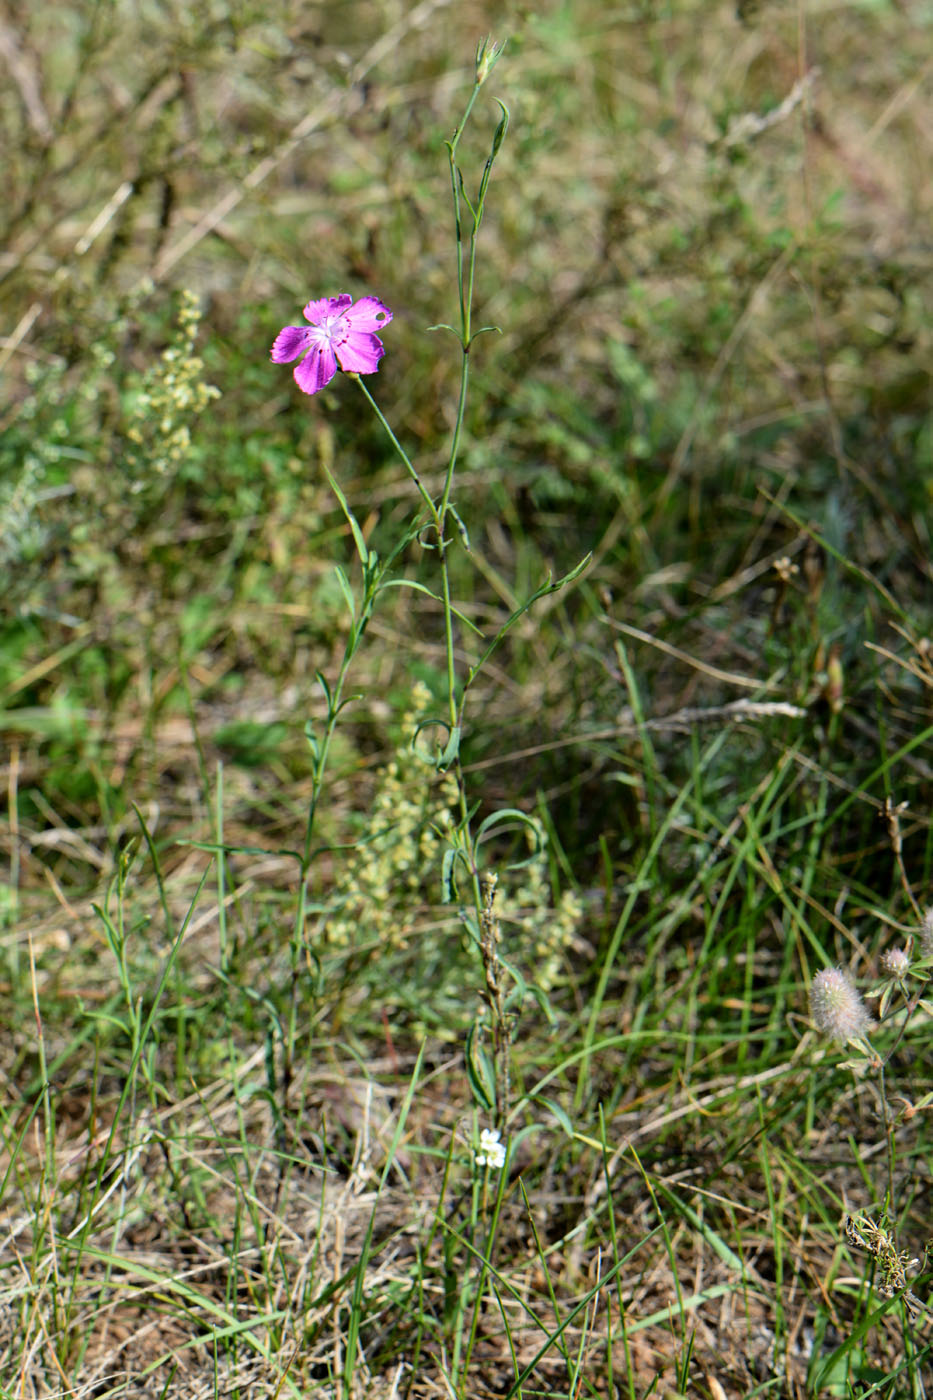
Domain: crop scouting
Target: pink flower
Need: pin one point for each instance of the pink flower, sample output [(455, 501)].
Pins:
[(341, 333)]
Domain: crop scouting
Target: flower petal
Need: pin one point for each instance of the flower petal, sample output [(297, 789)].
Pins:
[(368, 314), (290, 342), (316, 369), (359, 352), (326, 309)]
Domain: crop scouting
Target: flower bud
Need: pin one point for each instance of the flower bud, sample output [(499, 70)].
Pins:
[(896, 963), (486, 55)]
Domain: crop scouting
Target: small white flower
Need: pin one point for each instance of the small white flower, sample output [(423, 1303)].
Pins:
[(491, 1151)]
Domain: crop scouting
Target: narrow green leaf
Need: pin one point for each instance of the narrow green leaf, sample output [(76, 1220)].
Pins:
[(451, 750), (346, 590), (447, 876), (321, 679), (550, 586), (557, 1112), (480, 1070), (362, 548), (506, 816), (421, 588)]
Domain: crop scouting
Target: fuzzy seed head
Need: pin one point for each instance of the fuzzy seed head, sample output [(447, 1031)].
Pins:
[(836, 1007), (896, 963)]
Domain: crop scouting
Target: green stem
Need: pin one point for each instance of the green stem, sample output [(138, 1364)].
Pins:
[(466, 275), (454, 142), (436, 519), (319, 769), (455, 189), (458, 427)]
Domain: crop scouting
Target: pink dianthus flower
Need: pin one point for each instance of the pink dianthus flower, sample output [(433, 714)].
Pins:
[(341, 333)]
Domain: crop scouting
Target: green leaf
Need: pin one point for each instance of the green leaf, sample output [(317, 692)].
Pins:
[(451, 750), (421, 588), (501, 129), (543, 1000), (321, 679), (557, 1112), (313, 743), (480, 1070), (470, 923), (484, 330), (362, 548), (464, 535), (497, 141), (447, 875), (508, 815), (346, 590), (550, 586)]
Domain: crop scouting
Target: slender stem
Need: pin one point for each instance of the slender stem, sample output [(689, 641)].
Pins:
[(317, 784), (438, 513), (455, 190), (465, 290), (455, 441), (889, 1143), (455, 139), (409, 465), (438, 518), (449, 639), (320, 765)]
